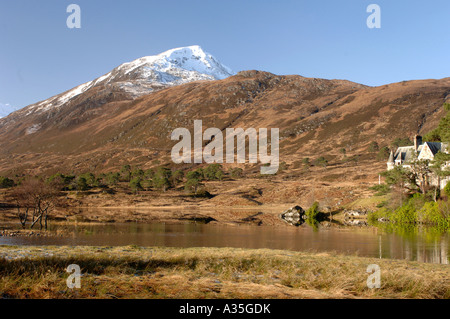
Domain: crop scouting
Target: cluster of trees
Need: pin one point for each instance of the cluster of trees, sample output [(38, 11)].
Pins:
[(417, 209), (320, 161), (194, 179), (412, 197), (6, 182), (416, 178), (382, 153), (136, 179), (406, 185), (442, 132), (36, 196), (409, 181)]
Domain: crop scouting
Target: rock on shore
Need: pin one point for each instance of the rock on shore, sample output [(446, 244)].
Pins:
[(294, 216)]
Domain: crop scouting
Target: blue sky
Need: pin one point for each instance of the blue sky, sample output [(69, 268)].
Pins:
[(41, 57)]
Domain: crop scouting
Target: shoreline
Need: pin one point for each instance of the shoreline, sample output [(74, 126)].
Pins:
[(251, 215), (263, 215)]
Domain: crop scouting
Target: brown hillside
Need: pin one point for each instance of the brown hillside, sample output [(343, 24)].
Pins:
[(104, 130)]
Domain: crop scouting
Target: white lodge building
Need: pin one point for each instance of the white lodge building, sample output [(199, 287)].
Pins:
[(421, 151)]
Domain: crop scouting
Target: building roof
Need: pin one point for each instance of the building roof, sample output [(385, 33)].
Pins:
[(434, 146), (407, 154)]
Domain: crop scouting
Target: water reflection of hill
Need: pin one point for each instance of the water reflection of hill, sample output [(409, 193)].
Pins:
[(424, 245)]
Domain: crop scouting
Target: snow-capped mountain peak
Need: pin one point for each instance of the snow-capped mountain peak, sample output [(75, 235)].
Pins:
[(191, 58), (148, 74), (173, 67)]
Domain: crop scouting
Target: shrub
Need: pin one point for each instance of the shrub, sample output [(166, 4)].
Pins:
[(219, 175), (5, 182), (418, 200), (313, 212), (149, 174), (373, 147), (236, 172), (416, 210), (212, 172), (197, 174), (146, 184), (383, 154), (405, 214), (162, 178), (382, 204), (82, 184), (91, 181), (125, 172), (135, 184), (177, 176), (137, 172), (447, 190), (59, 181), (381, 189), (433, 213), (65, 181), (321, 161), (112, 178), (399, 142), (373, 217), (283, 166), (192, 185), (202, 192), (433, 136)]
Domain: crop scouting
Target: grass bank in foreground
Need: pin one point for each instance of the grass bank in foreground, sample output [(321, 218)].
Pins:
[(135, 272)]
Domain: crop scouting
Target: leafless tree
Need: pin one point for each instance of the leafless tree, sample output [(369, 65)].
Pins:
[(36, 197)]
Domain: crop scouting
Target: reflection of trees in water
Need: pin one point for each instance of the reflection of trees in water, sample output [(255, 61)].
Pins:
[(421, 243), (424, 244)]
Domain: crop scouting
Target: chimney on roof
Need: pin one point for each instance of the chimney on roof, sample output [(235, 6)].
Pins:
[(417, 142)]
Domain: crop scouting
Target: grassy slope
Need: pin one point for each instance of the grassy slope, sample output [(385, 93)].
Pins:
[(134, 272)]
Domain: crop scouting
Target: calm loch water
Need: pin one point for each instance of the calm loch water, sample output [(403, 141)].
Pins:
[(414, 244)]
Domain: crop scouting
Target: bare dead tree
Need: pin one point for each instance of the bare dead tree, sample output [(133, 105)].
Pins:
[(35, 196)]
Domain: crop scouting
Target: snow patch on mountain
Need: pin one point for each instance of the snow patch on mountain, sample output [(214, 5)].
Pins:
[(61, 99), (33, 129), (175, 62), (6, 109), (148, 74)]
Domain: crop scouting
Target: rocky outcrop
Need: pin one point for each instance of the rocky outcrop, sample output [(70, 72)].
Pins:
[(294, 216), (355, 213), (355, 222), (355, 217)]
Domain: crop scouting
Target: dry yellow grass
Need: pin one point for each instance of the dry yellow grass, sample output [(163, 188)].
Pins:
[(135, 272)]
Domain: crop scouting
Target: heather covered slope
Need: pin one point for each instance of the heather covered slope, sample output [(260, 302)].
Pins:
[(100, 131)]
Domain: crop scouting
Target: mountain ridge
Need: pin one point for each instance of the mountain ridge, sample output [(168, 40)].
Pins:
[(316, 117), (127, 116), (145, 75)]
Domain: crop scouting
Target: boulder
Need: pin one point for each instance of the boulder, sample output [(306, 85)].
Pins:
[(355, 213), (355, 222), (294, 216)]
